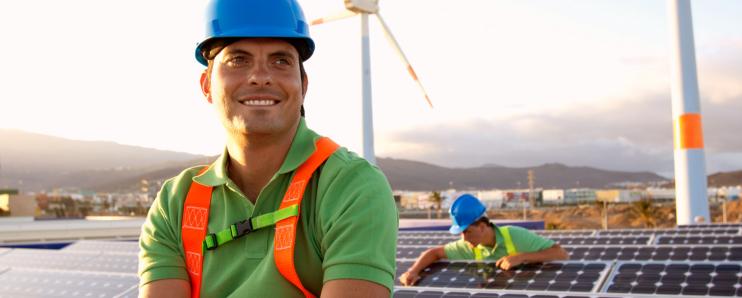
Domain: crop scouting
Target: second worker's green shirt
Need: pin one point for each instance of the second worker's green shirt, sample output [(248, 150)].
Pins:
[(523, 240), (348, 227)]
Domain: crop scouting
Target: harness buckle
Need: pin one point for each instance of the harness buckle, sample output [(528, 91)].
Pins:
[(211, 242), (243, 227)]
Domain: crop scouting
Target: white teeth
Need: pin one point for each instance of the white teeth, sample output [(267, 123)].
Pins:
[(258, 102)]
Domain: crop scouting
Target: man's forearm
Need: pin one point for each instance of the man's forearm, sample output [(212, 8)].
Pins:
[(553, 253), (428, 257)]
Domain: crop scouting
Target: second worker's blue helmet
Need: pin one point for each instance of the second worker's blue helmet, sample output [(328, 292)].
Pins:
[(464, 211), (283, 19)]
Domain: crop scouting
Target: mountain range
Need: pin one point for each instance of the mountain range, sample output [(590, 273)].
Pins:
[(35, 162)]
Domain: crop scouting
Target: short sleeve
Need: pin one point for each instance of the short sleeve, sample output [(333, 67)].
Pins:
[(458, 250), (528, 241), (161, 254), (359, 223)]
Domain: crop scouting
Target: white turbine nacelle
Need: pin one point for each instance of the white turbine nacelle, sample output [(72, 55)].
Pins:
[(362, 6)]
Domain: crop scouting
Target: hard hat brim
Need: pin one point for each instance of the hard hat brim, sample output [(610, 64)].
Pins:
[(261, 32)]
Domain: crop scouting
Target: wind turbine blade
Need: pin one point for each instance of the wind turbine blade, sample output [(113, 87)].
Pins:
[(338, 16), (393, 41)]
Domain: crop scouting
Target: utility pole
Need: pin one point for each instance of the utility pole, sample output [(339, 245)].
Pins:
[(531, 191)]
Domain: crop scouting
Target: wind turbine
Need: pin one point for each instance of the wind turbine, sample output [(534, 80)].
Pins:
[(364, 8)]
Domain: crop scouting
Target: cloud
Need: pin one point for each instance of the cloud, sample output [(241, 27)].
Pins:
[(631, 135)]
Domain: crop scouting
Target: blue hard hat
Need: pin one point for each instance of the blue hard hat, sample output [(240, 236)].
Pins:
[(465, 211), (282, 19)]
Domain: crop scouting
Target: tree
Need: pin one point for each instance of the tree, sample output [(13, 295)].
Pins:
[(646, 211), (437, 200)]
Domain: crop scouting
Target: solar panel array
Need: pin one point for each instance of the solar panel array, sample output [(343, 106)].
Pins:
[(687, 261), (83, 269)]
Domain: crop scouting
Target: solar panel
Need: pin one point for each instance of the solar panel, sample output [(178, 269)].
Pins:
[(410, 252), (647, 232), (702, 239), (711, 226), (23, 282), (45, 259), (677, 278), (563, 240), (446, 234), (655, 253), (417, 292), (643, 240), (107, 246), (561, 276), (433, 234), (565, 233), (112, 262)]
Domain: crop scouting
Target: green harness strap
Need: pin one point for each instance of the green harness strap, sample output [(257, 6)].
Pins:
[(244, 227), (509, 246)]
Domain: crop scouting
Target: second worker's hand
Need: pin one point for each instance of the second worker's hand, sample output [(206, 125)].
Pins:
[(409, 278), (509, 262)]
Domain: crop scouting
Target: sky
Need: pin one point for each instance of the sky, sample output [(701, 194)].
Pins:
[(514, 83)]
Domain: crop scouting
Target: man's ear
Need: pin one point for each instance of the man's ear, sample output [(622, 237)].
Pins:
[(304, 85), (206, 86)]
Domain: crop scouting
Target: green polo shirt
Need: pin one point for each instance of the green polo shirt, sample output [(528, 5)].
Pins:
[(348, 227), (523, 240)]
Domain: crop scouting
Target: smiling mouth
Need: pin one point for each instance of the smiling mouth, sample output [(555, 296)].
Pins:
[(259, 102)]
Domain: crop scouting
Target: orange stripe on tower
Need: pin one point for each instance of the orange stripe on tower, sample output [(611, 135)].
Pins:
[(688, 132)]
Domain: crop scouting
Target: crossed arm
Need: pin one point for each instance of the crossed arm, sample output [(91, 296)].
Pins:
[(331, 289), (434, 254)]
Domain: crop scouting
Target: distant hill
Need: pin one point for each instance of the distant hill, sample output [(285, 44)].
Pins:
[(31, 161), (720, 179), (412, 175), (42, 162), (725, 179)]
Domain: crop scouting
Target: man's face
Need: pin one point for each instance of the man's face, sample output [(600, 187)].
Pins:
[(474, 234), (256, 86)]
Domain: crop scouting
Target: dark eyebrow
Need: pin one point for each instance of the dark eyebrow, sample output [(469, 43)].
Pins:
[(283, 53), (237, 51)]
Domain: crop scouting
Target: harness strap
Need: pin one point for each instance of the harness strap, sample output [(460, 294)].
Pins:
[(194, 224), (195, 220), (509, 246), (285, 235), (242, 228)]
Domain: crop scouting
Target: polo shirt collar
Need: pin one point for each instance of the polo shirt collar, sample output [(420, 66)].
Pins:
[(302, 147), (498, 241)]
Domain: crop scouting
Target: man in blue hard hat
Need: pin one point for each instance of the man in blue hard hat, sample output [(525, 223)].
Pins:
[(283, 212), (481, 240)]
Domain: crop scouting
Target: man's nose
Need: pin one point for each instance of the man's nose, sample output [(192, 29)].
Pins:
[(261, 75)]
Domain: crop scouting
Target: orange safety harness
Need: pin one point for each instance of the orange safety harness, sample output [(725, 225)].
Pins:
[(196, 218)]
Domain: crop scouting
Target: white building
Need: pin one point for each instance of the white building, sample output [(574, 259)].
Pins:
[(553, 196)]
